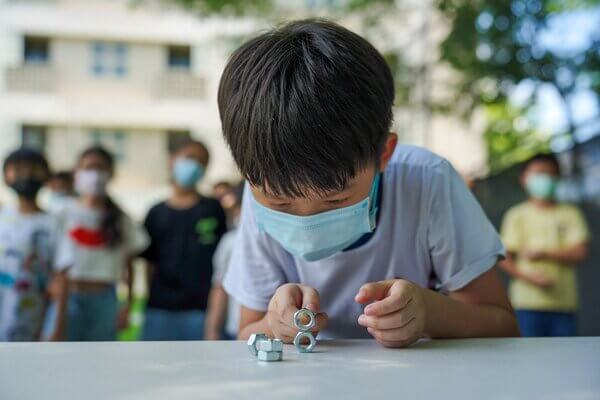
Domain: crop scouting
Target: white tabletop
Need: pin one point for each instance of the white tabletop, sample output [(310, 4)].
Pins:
[(559, 368)]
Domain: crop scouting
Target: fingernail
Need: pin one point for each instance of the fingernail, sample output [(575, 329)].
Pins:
[(362, 318), (368, 309), (312, 307)]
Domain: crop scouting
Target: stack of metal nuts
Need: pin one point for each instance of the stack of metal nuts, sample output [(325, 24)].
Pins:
[(265, 349), (304, 321)]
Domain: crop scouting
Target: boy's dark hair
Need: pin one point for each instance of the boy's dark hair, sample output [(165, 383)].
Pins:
[(26, 155), (542, 157), (192, 142), (65, 176), (305, 106)]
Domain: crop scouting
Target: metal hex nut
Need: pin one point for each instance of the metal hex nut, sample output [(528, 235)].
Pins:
[(269, 345), (253, 340), (270, 355), (302, 348), (302, 314)]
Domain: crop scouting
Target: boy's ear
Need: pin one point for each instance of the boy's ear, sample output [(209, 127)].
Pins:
[(388, 149)]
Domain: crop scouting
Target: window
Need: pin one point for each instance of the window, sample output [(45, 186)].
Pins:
[(33, 136), (109, 59), (35, 50), (180, 57), (177, 138), (113, 140)]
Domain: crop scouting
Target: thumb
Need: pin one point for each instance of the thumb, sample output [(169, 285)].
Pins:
[(310, 298), (373, 291)]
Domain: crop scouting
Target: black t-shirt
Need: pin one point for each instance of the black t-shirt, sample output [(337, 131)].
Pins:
[(182, 244)]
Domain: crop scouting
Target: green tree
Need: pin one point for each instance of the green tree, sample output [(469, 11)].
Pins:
[(496, 45)]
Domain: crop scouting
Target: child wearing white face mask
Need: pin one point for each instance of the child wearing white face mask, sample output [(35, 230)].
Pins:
[(102, 242), (184, 232)]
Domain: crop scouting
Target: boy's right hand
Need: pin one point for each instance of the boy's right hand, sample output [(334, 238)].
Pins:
[(288, 299)]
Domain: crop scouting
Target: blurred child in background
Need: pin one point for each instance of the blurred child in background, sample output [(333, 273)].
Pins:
[(545, 241), (223, 312), (28, 240), (61, 192), (102, 242), (184, 232)]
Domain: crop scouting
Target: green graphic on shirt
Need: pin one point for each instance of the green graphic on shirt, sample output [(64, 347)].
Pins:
[(206, 230)]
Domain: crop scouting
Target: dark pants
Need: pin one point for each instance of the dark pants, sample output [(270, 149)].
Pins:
[(546, 323)]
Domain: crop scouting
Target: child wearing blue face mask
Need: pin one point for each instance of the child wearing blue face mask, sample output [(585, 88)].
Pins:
[(545, 240), (184, 232), (379, 240)]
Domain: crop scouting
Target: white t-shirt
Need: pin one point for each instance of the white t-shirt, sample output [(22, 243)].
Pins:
[(430, 231), (27, 252), (221, 260), (85, 249)]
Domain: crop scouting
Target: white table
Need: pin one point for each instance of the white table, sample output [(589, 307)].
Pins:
[(558, 368)]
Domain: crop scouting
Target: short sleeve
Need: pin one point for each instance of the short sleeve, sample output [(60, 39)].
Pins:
[(222, 257), (576, 231), (510, 232), (150, 252), (64, 256), (463, 244), (255, 270), (136, 238)]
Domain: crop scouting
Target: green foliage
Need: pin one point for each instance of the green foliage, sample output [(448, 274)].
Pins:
[(495, 45)]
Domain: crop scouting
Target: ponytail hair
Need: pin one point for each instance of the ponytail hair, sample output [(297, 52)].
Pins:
[(111, 225)]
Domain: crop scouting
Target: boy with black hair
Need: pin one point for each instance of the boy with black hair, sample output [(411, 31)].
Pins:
[(545, 241), (28, 242), (184, 232), (337, 216)]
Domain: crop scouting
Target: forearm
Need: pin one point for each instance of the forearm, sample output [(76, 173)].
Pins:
[(217, 308), (571, 255), (61, 306), (129, 279), (449, 317)]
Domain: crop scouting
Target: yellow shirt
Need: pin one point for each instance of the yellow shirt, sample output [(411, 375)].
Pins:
[(526, 226)]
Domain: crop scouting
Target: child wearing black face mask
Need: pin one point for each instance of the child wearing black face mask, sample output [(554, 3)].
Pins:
[(28, 240)]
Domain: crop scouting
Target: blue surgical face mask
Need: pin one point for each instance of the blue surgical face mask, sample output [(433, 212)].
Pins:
[(187, 172), (318, 236), (541, 186)]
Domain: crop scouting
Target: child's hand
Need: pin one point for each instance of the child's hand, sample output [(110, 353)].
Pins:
[(539, 279), (288, 299), (396, 316), (533, 255)]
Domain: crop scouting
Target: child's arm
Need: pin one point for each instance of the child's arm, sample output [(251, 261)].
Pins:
[(538, 279), (278, 321), (60, 291), (129, 276), (216, 312), (401, 312), (572, 255)]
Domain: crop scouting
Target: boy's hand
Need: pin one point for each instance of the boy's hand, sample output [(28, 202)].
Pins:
[(534, 255), (396, 315), (539, 279), (288, 299)]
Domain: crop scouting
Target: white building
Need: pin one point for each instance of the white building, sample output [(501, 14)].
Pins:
[(138, 81)]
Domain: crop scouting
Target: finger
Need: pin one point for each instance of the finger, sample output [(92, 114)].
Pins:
[(388, 305), (394, 320), (395, 345), (394, 335), (373, 291), (321, 322), (310, 298)]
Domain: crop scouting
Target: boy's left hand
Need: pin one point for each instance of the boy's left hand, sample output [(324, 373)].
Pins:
[(396, 316)]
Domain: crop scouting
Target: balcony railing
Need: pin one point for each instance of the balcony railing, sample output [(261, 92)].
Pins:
[(180, 84), (31, 78)]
